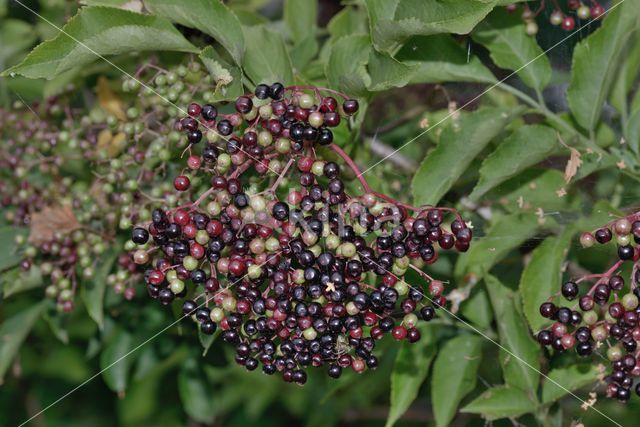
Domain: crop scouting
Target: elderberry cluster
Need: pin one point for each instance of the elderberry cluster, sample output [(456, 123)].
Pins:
[(276, 254), (565, 20), (606, 317)]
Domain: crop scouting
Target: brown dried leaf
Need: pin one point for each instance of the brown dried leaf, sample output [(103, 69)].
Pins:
[(109, 101), (48, 221), (572, 165)]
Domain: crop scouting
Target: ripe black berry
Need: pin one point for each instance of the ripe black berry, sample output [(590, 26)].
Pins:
[(140, 236)]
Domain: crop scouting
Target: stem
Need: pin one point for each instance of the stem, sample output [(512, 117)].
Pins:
[(340, 152), (316, 89)]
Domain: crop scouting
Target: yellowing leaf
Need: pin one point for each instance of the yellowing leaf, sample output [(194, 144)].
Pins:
[(112, 144), (109, 101)]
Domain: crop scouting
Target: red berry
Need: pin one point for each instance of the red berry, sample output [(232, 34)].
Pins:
[(568, 23), (596, 11), (399, 333), (181, 183), (194, 109), (194, 162)]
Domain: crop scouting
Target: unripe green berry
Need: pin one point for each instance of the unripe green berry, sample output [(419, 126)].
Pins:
[(190, 263)]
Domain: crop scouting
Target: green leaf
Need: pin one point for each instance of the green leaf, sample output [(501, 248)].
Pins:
[(541, 277), (409, 372), (9, 250), (623, 84), (207, 340), (459, 144), (531, 189), (301, 17), (303, 52), (16, 36), (506, 233), (500, 402), (438, 59), (571, 379), (522, 361), (16, 281), (212, 17), (510, 47), (57, 321), (385, 72), (595, 60), (454, 375), (393, 21), (349, 20), (346, 67), (633, 130), (197, 395), (477, 309), (116, 360), (98, 31), (13, 332), (93, 290), (266, 59), (228, 78), (524, 148)]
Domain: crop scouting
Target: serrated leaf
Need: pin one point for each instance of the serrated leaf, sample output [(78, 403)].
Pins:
[(212, 17), (116, 360), (346, 67), (525, 147), (266, 59), (521, 363), (506, 233), (438, 59), (93, 290), (15, 281), (393, 21), (197, 395), (454, 375), (459, 145), (510, 47), (595, 60), (500, 402), (300, 16), (570, 378), (9, 255), (227, 78), (97, 31), (409, 372), (13, 332), (541, 277)]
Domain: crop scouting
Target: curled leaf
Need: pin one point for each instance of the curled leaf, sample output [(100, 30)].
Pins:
[(572, 165), (50, 220)]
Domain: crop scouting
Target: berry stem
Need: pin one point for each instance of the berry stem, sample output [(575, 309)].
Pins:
[(316, 89), (349, 161)]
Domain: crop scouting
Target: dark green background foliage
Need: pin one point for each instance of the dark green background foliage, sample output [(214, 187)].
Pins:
[(501, 161)]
